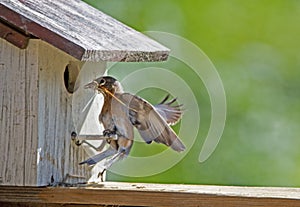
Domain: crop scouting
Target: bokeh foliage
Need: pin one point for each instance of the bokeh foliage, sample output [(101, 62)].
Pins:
[(255, 46)]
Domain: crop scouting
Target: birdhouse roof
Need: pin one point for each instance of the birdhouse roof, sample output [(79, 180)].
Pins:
[(80, 30)]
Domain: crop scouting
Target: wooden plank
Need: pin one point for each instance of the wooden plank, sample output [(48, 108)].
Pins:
[(57, 155), (31, 113), (16, 38), (33, 28), (18, 114), (130, 194), (7, 204), (81, 30)]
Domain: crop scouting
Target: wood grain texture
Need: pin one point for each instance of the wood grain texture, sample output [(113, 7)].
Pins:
[(38, 115), (18, 113), (58, 156), (130, 194), (55, 153), (7, 204), (16, 38), (81, 30)]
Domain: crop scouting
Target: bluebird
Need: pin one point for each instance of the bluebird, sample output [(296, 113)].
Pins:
[(121, 112)]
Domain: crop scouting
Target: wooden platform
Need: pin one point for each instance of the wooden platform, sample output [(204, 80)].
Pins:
[(138, 194)]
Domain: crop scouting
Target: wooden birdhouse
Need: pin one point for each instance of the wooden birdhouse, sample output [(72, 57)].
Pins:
[(44, 47)]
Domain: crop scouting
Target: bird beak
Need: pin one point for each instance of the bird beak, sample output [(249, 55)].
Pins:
[(92, 85)]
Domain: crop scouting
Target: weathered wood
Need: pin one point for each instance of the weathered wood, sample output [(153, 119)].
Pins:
[(38, 115), (58, 156), (81, 31), (18, 113), (31, 115), (7, 204), (37, 112), (130, 194), (18, 39)]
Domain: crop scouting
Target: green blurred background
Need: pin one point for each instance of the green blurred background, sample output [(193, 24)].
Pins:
[(254, 45)]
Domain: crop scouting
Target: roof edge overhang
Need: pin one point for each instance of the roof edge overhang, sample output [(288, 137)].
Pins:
[(28, 27)]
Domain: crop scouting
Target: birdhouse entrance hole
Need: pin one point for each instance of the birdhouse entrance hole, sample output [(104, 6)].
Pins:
[(70, 75)]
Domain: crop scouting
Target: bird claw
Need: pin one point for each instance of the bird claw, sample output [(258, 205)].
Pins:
[(110, 134), (101, 175)]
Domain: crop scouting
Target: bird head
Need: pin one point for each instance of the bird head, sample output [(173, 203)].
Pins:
[(105, 85)]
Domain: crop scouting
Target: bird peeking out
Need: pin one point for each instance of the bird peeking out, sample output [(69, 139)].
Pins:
[(121, 112)]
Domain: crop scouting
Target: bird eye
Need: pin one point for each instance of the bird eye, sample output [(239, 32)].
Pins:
[(102, 82)]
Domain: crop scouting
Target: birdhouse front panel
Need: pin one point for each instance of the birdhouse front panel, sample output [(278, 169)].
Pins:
[(63, 112), (38, 86), (56, 157)]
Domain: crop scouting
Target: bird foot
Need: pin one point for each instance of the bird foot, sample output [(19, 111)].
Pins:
[(101, 175), (110, 134)]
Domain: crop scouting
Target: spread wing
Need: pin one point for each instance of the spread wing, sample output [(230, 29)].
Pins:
[(171, 114), (150, 124)]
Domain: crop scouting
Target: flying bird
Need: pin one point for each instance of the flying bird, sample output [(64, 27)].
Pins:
[(121, 112)]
